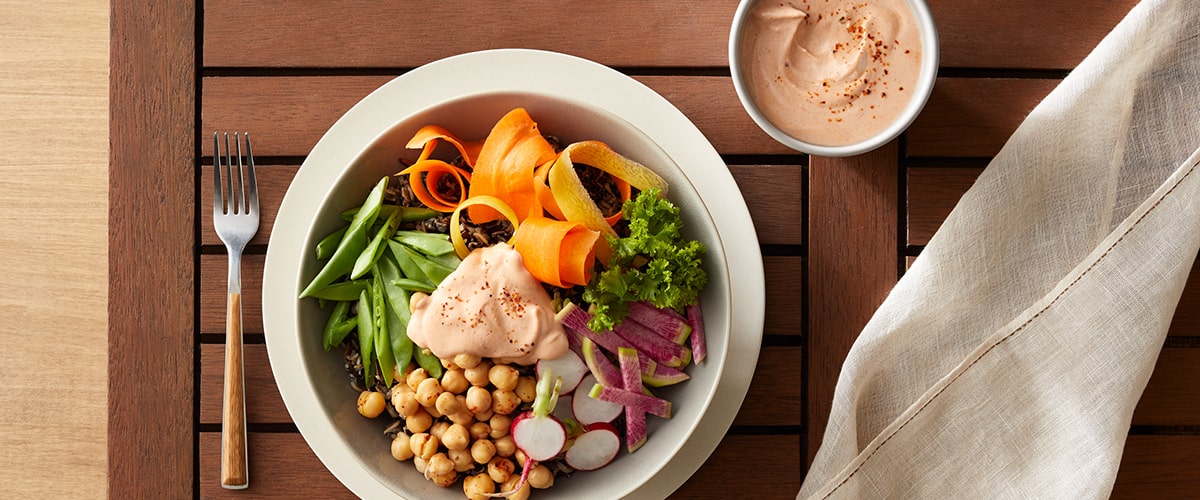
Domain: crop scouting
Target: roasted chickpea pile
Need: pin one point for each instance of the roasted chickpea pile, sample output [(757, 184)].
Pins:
[(457, 426)]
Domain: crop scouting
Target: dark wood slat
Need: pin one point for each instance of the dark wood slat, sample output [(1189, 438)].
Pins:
[(286, 116), (932, 193), (773, 397), (853, 263), (1036, 34), (282, 464), (775, 197), (273, 182), (973, 116), (1186, 322), (783, 277), (402, 34), (151, 271), (1172, 396), (1039, 34), (1160, 467)]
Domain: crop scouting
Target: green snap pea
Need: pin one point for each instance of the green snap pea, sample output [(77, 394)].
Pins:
[(429, 362), (408, 267), (370, 254), (383, 341), (426, 243), (366, 337), (341, 291), (397, 297), (413, 285), (328, 244), (352, 244), (407, 214), (338, 327), (402, 346)]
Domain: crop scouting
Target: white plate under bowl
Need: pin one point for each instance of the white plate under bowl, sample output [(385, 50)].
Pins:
[(574, 99)]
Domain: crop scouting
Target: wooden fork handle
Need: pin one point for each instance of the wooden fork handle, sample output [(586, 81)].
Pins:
[(234, 471)]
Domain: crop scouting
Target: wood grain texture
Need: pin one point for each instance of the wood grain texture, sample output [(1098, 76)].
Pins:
[(151, 266), (1039, 34), (283, 464), (932, 194), (973, 116), (853, 262), (287, 115), (1159, 467), (233, 414), (1036, 34), (54, 284), (1172, 393)]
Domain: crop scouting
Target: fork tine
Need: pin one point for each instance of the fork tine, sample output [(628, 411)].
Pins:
[(253, 182), (231, 200), (218, 199), (238, 206)]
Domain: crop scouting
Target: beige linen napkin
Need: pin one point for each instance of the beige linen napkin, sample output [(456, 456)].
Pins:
[(1008, 360)]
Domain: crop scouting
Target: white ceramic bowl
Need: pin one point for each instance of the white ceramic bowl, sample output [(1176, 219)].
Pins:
[(365, 145), (925, 81)]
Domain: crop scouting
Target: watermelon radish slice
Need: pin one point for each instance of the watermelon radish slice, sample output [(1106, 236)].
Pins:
[(569, 366), (665, 322), (631, 379), (663, 376), (602, 370), (589, 410), (636, 400), (651, 344), (595, 448), (699, 345)]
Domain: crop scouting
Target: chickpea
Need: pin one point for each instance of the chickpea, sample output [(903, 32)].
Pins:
[(420, 464), (478, 486), (540, 477), (505, 401), (455, 381), (526, 388), (439, 428), (440, 464), (444, 480), (414, 378), (423, 445), (432, 410), (371, 404), (448, 364), (500, 469), (462, 460), (398, 372), (520, 456), (478, 375), (456, 437), (480, 430), (415, 299), (419, 421), (482, 451), (478, 400), (501, 424), (447, 404), (504, 377), (511, 484), (401, 449), (466, 361), (505, 446), (405, 401), (485, 415), (463, 418), (428, 391)]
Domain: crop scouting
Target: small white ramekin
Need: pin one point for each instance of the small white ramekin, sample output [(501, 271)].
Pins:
[(925, 81)]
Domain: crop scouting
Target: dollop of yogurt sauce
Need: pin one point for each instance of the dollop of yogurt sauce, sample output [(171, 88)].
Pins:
[(490, 306), (831, 73)]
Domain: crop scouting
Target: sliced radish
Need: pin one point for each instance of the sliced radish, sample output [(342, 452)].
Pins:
[(665, 322), (575, 321), (537, 433), (589, 410), (663, 375), (602, 369), (638, 400), (699, 344), (631, 379), (569, 366), (651, 344), (595, 448)]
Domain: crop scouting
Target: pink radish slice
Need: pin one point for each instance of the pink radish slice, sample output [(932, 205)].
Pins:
[(595, 448), (699, 344), (602, 369), (664, 322), (589, 410), (569, 366), (631, 379), (537, 433)]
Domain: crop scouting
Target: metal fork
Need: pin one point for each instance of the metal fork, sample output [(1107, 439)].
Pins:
[(235, 217)]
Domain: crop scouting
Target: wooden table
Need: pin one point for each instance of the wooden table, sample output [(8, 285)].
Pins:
[(836, 234)]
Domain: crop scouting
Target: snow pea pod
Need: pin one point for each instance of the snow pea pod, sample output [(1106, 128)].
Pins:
[(370, 254), (383, 341), (352, 244), (366, 338), (328, 244), (341, 291), (337, 327)]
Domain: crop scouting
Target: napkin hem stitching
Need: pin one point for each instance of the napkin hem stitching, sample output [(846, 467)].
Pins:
[(1018, 329)]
